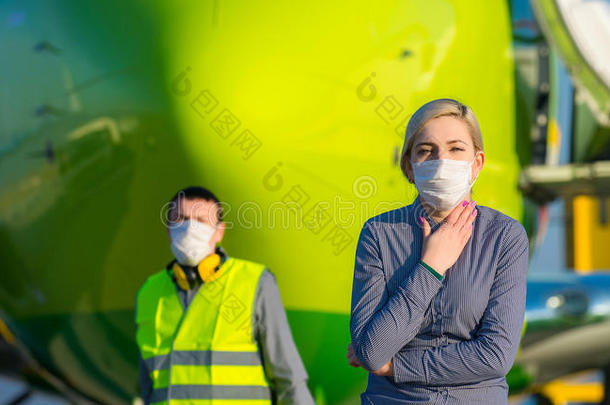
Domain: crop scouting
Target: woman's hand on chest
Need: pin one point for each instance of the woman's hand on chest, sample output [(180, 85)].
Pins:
[(441, 248)]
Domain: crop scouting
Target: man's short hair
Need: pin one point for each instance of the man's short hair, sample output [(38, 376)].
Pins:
[(192, 193)]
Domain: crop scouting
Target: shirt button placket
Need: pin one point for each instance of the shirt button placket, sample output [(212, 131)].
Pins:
[(437, 312), (441, 309)]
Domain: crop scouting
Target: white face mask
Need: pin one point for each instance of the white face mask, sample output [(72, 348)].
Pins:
[(190, 241), (443, 183)]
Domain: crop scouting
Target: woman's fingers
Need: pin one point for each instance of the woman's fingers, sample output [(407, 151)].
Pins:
[(351, 357), (465, 215), (425, 227), (353, 361), (468, 224), (386, 370), (454, 215)]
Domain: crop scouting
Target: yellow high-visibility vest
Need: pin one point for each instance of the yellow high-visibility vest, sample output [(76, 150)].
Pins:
[(206, 355)]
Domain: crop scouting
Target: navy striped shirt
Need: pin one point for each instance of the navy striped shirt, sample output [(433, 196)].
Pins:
[(451, 341)]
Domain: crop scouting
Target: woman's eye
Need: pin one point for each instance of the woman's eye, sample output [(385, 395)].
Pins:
[(454, 149), (422, 151)]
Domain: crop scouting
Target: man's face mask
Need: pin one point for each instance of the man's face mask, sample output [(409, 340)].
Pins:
[(190, 241)]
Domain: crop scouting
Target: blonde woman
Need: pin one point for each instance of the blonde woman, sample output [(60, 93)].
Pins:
[(439, 286)]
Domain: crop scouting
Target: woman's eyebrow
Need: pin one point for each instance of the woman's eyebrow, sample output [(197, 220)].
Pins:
[(433, 144)]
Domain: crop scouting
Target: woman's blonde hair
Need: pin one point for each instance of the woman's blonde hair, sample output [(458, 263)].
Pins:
[(435, 109)]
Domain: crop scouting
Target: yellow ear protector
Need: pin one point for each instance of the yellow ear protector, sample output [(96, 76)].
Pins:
[(207, 271)]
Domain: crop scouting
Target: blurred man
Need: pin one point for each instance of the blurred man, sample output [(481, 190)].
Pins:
[(211, 326)]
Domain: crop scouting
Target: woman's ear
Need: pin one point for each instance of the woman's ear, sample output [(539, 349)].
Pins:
[(409, 173), (477, 166), (481, 159)]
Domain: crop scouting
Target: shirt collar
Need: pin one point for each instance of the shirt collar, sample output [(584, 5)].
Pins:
[(223, 254)]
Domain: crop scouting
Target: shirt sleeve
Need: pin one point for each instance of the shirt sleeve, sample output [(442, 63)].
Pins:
[(145, 381), (282, 363), (381, 324), (491, 353)]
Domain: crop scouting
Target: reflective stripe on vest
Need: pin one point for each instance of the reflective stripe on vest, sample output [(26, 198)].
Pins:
[(208, 354)]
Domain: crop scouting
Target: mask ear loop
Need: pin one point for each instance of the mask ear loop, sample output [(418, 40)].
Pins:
[(477, 176)]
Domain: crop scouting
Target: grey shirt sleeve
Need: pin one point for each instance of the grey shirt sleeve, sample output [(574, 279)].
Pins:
[(380, 323), (493, 349), (282, 363), (145, 381)]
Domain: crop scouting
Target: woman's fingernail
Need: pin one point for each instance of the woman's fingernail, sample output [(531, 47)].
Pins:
[(465, 203), (473, 203), (421, 220), (474, 212)]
